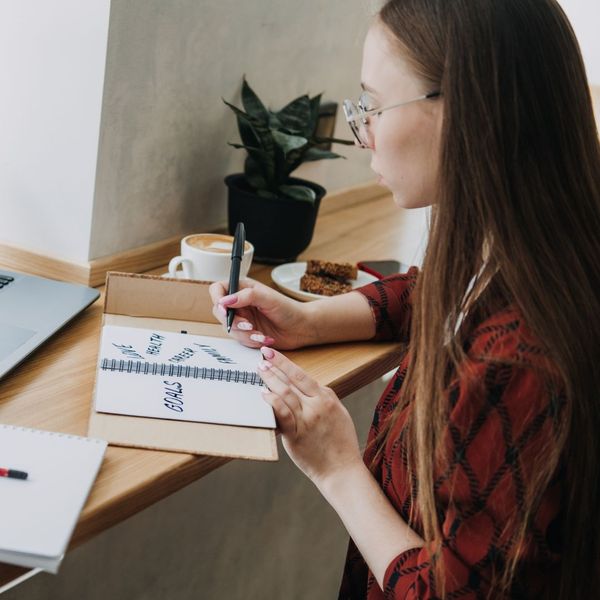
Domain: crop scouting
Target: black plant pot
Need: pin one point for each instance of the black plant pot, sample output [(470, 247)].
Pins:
[(279, 229)]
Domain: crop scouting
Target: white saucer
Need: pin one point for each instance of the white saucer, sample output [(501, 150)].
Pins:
[(287, 278)]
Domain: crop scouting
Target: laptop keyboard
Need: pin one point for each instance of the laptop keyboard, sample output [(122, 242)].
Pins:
[(5, 280)]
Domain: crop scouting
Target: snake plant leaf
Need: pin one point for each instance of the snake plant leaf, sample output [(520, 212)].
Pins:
[(318, 154), (253, 171), (287, 142), (241, 113), (247, 126), (257, 153), (311, 124), (274, 121), (253, 105), (256, 135), (262, 158), (295, 115), (298, 192), (248, 133), (256, 124), (333, 140)]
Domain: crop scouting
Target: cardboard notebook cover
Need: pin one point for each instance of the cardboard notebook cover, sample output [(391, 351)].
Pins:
[(172, 305)]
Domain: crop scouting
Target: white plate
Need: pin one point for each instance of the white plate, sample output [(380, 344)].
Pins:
[(287, 279)]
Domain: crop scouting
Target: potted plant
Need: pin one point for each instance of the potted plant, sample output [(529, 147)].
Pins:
[(279, 211)]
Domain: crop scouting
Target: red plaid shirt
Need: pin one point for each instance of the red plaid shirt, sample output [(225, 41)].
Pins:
[(492, 436)]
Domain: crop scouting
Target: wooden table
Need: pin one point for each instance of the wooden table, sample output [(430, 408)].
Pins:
[(52, 389)]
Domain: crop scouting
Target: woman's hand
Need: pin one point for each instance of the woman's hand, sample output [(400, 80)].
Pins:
[(319, 435), (263, 316), (317, 430)]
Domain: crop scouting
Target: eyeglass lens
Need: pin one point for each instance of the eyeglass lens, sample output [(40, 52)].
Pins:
[(355, 118)]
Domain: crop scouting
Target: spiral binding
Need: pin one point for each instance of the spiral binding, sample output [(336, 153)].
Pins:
[(165, 370)]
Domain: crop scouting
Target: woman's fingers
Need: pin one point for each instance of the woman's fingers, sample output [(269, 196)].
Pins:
[(279, 386), (252, 294), (297, 377), (242, 329), (284, 415), (245, 332), (277, 382), (217, 290)]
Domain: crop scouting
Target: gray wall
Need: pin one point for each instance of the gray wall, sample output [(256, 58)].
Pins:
[(163, 153), (248, 531)]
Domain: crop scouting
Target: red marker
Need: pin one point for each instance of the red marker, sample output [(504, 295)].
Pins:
[(12, 473)]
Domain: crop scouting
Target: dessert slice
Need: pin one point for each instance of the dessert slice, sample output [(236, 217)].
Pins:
[(341, 271), (324, 286)]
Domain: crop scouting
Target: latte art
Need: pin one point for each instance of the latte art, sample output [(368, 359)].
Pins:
[(213, 242)]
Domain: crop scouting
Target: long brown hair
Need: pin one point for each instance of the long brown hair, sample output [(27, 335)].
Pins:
[(519, 182)]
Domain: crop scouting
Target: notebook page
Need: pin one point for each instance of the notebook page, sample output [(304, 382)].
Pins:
[(41, 512), (166, 375)]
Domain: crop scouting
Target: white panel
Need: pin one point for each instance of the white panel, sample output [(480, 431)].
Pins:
[(52, 59)]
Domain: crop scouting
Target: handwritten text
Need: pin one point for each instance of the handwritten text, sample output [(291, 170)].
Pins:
[(155, 344), (173, 396), (127, 350), (215, 354)]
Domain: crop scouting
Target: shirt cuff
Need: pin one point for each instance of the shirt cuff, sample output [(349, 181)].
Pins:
[(390, 300), (399, 579)]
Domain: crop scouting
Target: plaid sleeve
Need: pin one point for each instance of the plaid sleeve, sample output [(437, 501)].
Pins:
[(494, 437), (390, 300)]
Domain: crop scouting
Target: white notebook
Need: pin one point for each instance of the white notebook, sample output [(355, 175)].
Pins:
[(40, 512), (179, 376)]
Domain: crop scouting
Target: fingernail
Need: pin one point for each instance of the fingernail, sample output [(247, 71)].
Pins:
[(245, 326), (257, 337), (267, 352), (222, 310), (264, 365), (227, 300)]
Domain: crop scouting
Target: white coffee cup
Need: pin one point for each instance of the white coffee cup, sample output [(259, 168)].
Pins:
[(207, 257)]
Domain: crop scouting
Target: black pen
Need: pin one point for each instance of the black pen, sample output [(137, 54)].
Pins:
[(12, 473), (237, 252)]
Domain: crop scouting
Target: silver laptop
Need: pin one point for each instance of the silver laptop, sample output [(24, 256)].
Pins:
[(32, 309)]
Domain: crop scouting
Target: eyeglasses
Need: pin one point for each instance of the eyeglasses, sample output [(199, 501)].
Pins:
[(357, 115)]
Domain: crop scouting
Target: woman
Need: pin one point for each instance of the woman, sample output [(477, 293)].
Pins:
[(481, 473)]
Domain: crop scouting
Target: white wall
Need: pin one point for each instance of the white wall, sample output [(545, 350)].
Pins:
[(52, 57), (585, 18)]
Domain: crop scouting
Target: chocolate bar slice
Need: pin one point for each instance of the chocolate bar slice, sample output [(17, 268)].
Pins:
[(324, 286), (341, 271)]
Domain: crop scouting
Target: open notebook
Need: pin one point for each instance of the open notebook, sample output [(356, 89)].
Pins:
[(179, 376), (40, 513)]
